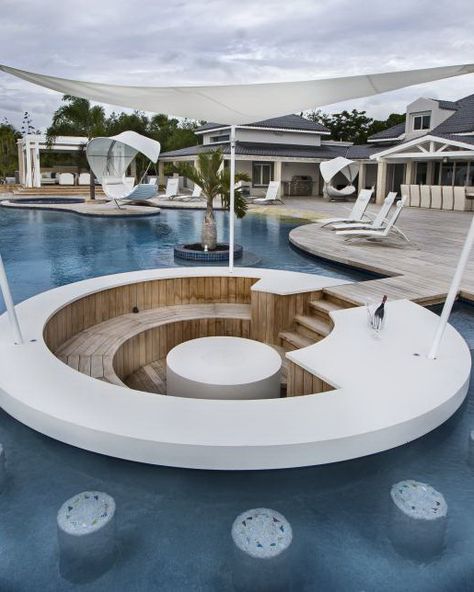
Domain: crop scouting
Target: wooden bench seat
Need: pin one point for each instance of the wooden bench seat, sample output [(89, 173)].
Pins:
[(93, 350)]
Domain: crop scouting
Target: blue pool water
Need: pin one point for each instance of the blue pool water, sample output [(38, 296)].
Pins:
[(173, 524)]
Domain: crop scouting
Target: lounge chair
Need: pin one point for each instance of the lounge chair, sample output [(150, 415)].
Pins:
[(122, 189), (379, 220), (195, 195), (358, 210), (171, 188), (380, 233), (271, 196)]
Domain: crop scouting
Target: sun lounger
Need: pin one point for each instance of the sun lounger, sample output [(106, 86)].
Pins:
[(380, 233), (358, 210), (379, 220), (271, 196)]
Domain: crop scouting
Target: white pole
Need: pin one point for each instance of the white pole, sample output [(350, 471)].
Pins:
[(453, 291), (7, 297), (232, 198)]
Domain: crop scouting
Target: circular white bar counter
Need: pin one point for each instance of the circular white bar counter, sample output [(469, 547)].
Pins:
[(386, 390), (223, 368)]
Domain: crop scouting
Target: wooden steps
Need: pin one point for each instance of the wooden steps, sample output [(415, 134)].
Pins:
[(315, 324)]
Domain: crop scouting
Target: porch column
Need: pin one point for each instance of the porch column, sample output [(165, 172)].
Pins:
[(362, 176), (21, 163), (317, 182), (277, 175), (28, 172), (381, 181), (430, 173), (36, 165), (161, 172), (409, 172)]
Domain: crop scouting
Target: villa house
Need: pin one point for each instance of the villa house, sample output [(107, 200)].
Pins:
[(287, 149), (430, 157)]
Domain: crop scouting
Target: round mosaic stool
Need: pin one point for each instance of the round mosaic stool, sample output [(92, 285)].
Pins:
[(86, 535), (262, 539), (419, 517)]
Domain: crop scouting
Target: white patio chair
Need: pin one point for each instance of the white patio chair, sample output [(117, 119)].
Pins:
[(358, 210), (172, 186), (196, 195), (66, 179), (271, 196), (380, 233), (379, 220), (84, 179)]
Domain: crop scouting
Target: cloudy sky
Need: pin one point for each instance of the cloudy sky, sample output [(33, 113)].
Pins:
[(157, 42)]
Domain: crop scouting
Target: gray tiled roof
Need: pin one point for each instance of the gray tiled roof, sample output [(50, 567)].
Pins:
[(361, 151), (462, 120), (289, 122), (450, 105), (391, 133), (260, 149)]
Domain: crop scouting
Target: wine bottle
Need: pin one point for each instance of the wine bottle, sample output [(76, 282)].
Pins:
[(379, 314)]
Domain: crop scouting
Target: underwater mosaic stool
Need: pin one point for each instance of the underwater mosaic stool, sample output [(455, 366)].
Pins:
[(419, 517), (86, 535), (262, 539)]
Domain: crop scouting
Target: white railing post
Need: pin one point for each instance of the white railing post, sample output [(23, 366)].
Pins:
[(232, 198), (7, 297), (453, 291)]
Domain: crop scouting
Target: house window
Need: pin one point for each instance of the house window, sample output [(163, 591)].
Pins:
[(262, 173), (421, 121), (221, 138), (447, 173)]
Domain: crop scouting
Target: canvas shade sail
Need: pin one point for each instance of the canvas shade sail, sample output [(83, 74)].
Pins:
[(242, 103), (330, 168), (110, 157)]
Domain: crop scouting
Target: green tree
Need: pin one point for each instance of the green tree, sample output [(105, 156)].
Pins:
[(214, 180), (353, 126), (76, 117), (8, 150)]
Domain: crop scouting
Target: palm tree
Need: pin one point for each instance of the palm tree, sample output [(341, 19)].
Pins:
[(214, 180), (77, 117)]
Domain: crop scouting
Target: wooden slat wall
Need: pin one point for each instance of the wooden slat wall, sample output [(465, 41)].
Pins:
[(272, 313), (107, 304), (301, 382), (154, 344)]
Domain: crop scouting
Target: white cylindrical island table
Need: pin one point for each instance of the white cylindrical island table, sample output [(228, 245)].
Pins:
[(223, 368)]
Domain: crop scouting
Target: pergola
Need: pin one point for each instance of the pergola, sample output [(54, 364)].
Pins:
[(246, 103)]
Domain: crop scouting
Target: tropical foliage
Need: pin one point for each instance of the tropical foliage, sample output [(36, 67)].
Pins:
[(214, 180), (8, 150), (353, 126)]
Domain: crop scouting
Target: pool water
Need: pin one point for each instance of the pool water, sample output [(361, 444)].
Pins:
[(174, 525)]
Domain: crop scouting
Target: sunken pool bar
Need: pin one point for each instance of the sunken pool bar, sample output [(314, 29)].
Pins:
[(349, 393)]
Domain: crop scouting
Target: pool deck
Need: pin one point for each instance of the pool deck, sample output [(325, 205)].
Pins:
[(420, 271), (96, 208)]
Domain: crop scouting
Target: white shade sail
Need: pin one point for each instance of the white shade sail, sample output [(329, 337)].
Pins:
[(110, 157), (330, 168), (242, 103)]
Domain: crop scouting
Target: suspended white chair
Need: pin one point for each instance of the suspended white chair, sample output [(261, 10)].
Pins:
[(109, 159), (330, 168)]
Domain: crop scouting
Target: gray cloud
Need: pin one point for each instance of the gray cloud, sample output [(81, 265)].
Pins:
[(156, 42)]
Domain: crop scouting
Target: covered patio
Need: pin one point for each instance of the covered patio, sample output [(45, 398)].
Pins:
[(433, 171)]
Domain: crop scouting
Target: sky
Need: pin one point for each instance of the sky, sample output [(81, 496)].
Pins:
[(157, 42)]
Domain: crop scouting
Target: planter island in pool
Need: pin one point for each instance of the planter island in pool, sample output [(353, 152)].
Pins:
[(350, 392)]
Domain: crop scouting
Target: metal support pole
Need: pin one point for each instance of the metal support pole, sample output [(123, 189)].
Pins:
[(7, 297), (232, 198), (453, 291)]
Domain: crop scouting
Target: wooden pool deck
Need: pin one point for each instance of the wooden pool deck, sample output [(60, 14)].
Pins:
[(420, 270)]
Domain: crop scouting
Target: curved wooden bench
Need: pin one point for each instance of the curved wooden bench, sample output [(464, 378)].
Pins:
[(109, 350)]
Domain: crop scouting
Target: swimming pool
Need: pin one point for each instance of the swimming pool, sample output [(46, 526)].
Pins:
[(174, 525)]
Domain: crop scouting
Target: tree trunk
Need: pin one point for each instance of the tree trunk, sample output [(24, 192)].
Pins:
[(209, 231)]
